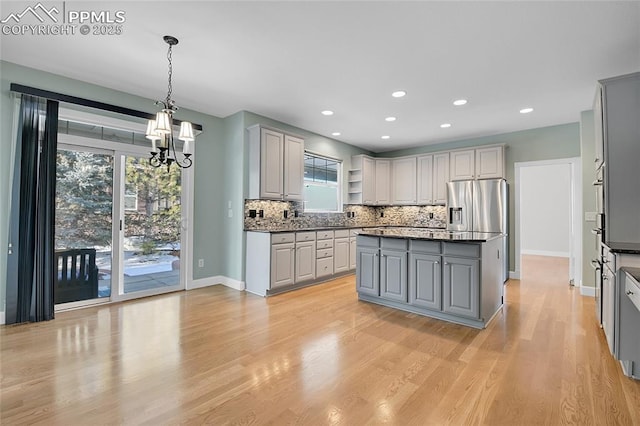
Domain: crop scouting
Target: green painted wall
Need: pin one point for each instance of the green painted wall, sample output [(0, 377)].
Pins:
[(544, 143), (588, 149), (209, 186)]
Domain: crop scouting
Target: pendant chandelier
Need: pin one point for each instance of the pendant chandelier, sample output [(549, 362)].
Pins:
[(160, 130)]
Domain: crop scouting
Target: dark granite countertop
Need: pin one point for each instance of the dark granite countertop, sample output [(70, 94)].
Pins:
[(634, 272), (432, 234), (626, 248), (336, 228)]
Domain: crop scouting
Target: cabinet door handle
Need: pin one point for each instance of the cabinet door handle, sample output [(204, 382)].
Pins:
[(629, 293), (436, 262), (605, 278)]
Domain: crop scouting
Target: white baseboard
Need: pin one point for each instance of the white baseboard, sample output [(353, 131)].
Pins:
[(588, 291), (2, 318), (514, 275), (217, 280), (546, 253), (234, 284)]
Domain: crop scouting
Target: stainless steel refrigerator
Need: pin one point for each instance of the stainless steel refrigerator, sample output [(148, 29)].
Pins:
[(480, 206)]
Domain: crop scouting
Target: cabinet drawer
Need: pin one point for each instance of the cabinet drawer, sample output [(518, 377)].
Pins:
[(321, 253), (305, 236), (425, 246), (324, 267), (323, 235), (367, 241), (323, 244), (393, 243), (632, 290), (341, 233), (460, 249), (283, 238)]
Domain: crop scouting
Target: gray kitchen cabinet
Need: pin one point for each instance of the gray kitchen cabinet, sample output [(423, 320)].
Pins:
[(425, 179), (282, 264), (276, 164), (404, 181), (341, 248), (620, 108), (305, 261), (462, 164), (440, 177), (393, 275), (460, 282), (424, 280), (368, 266), (489, 162), (324, 254), (479, 163), (627, 320), (368, 180), (383, 182), (293, 168), (352, 253)]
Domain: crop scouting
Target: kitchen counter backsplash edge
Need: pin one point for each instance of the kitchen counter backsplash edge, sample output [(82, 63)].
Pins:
[(275, 219)]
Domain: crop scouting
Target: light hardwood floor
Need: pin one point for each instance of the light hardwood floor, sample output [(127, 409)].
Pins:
[(318, 356)]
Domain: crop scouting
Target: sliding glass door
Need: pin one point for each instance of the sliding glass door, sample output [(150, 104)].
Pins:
[(119, 224), (84, 224), (151, 229)]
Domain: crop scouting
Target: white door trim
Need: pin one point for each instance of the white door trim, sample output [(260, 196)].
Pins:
[(575, 247)]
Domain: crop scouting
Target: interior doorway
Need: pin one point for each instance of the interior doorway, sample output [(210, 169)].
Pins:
[(548, 207)]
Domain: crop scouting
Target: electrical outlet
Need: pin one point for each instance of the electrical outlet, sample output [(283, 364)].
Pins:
[(200, 263)]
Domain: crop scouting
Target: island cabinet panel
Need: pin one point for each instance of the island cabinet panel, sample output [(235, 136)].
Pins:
[(393, 275), (461, 287), (368, 271), (424, 281)]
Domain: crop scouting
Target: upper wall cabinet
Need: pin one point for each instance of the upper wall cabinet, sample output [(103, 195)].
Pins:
[(276, 164), (433, 175), (383, 182), (481, 163), (404, 181)]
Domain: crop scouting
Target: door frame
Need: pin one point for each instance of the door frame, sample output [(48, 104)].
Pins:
[(575, 240), (120, 151)]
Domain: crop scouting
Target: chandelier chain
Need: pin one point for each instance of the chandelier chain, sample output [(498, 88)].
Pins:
[(170, 87)]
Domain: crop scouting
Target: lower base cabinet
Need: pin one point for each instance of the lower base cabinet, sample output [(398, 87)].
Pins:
[(282, 264), (425, 287), (457, 282), (282, 261), (341, 255), (368, 271), (305, 261), (460, 283), (393, 275)]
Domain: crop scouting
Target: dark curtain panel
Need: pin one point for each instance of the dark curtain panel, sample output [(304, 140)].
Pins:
[(30, 282)]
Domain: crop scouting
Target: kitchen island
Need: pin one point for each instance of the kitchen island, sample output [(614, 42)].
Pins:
[(448, 275)]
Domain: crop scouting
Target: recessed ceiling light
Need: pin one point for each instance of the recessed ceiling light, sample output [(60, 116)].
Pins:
[(445, 125), (390, 119), (335, 134), (460, 102), (327, 112), (526, 110), (398, 94), (385, 137)]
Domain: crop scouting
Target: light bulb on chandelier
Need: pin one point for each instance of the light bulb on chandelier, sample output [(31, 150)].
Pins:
[(160, 131)]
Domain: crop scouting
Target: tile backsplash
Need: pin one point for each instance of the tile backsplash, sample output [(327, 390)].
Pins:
[(273, 216)]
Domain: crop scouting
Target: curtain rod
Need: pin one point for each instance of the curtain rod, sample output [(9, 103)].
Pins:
[(19, 88)]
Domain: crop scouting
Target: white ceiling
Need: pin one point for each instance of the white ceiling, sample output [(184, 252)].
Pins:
[(290, 60)]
